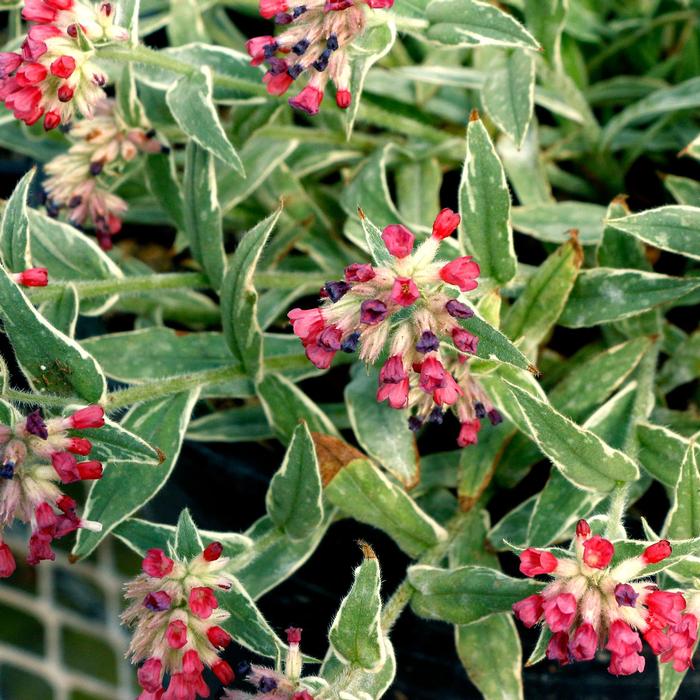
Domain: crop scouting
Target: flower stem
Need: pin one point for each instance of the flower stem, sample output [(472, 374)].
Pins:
[(160, 59)]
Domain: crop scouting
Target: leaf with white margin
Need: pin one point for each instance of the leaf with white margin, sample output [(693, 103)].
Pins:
[(14, 227)]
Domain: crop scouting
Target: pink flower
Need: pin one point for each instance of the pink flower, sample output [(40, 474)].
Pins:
[(468, 432), (88, 417), (79, 446), (256, 48), (66, 467), (9, 63), (558, 648), (393, 383), (655, 553), (622, 639), (150, 675), (157, 564), (448, 393), (343, 98), (320, 356), (398, 240), (33, 277), (90, 471), (176, 634), (202, 601), (682, 637), (657, 640), (404, 292), (277, 83), (63, 67), (529, 610), (218, 637), (373, 311), (445, 224), (462, 272), (464, 340), (584, 642), (432, 375), (359, 272), (626, 665), (598, 552), (158, 601), (583, 529), (560, 611), (223, 672), (306, 323), (534, 562), (664, 608), (270, 8), (308, 100), (7, 561)]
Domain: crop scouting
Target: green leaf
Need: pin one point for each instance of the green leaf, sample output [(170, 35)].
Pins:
[(582, 457), (606, 294), (683, 520), (70, 255), (537, 309), (546, 20), (662, 452), (465, 594), (14, 227), (294, 499), (239, 299), (683, 366), (187, 542), (185, 24), (552, 222), (509, 93), (370, 47), (472, 23), (674, 228), (381, 431), (355, 635), (51, 361), (113, 444), (161, 176), (285, 404), (202, 214), (418, 190), (490, 652), (684, 189), (617, 249), (476, 467), (191, 104), (362, 491), (62, 312), (117, 495), (485, 231)]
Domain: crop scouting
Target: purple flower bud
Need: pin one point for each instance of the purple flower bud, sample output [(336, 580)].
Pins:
[(276, 66), (625, 595), (350, 343), (36, 426), (267, 684), (298, 11), (372, 311), (415, 424), (495, 417), (436, 416), (243, 668), (75, 202), (7, 470), (428, 342), (296, 70), (479, 410), (158, 601), (336, 290), (96, 168), (457, 309), (283, 18), (300, 47)]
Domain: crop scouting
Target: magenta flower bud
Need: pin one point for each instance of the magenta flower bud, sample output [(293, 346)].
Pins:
[(176, 634), (293, 635), (270, 8), (66, 466), (33, 277), (88, 417), (90, 471), (622, 639), (464, 340), (529, 610), (445, 224), (308, 100), (432, 375), (449, 392), (7, 561), (218, 637), (625, 595), (560, 611), (157, 601), (202, 602), (655, 553), (583, 529), (343, 98), (331, 338), (558, 648), (584, 642), (398, 240), (9, 63), (495, 417), (534, 562), (157, 564), (35, 425), (468, 433), (150, 675), (359, 272), (372, 311), (63, 67), (213, 551), (223, 672), (457, 309), (657, 640), (461, 272), (428, 342), (598, 552)]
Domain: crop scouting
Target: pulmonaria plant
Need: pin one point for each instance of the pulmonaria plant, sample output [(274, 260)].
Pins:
[(591, 604), (317, 43), (176, 619), (79, 180), (36, 456), (271, 684), (410, 308), (54, 74)]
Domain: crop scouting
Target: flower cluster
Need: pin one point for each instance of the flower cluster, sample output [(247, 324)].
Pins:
[(35, 454), (177, 623), (78, 180), (317, 43), (271, 684), (410, 307), (591, 605), (54, 75)]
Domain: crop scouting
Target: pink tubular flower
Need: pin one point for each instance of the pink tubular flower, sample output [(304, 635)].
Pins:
[(598, 552), (405, 291), (359, 272), (468, 433), (307, 324), (584, 642), (393, 383), (626, 665), (529, 610), (33, 277), (461, 272), (682, 637), (560, 611), (464, 340), (445, 224), (213, 551), (448, 392), (270, 8), (7, 561), (655, 553), (665, 607), (308, 100), (398, 240), (534, 562), (88, 417), (170, 640), (558, 648), (343, 98), (432, 375)]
